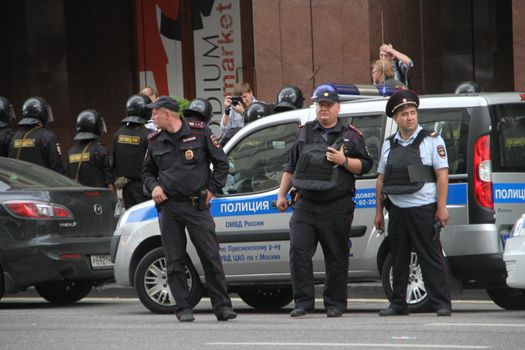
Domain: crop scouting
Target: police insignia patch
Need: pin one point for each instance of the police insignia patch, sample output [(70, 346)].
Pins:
[(188, 154), (441, 151), (214, 141)]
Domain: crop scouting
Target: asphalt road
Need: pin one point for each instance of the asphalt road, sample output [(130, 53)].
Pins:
[(105, 321)]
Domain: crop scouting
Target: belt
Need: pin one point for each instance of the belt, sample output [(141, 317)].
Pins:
[(180, 198)]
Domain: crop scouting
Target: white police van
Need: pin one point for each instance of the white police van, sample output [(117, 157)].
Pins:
[(485, 138)]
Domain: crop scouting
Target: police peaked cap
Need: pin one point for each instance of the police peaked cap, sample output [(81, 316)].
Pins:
[(399, 99)]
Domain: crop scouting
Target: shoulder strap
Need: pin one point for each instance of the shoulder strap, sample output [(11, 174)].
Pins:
[(309, 133), (24, 137), (80, 160), (422, 134)]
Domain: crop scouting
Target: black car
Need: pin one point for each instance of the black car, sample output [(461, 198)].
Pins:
[(55, 233)]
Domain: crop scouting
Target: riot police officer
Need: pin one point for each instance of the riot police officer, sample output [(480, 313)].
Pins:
[(413, 175), (289, 98), (256, 111), (7, 114), (33, 142), (324, 160), (199, 110), (88, 159), (177, 173), (129, 148)]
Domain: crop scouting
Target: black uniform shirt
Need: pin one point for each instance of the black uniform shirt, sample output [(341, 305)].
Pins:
[(354, 144), (89, 164), (37, 145), (129, 148), (180, 162)]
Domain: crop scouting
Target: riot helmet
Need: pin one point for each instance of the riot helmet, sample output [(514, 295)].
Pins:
[(289, 98), (199, 106), (36, 110), (468, 87), (136, 109), (256, 111), (7, 112), (90, 125)]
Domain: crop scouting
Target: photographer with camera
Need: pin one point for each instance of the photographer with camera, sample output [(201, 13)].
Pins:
[(234, 106)]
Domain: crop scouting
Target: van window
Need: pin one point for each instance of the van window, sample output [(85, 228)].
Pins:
[(452, 125), (508, 137), (258, 160), (370, 126)]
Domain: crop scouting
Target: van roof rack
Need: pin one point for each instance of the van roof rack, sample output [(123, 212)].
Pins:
[(352, 92)]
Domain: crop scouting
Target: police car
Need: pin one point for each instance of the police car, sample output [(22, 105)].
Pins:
[(485, 138), (514, 257)]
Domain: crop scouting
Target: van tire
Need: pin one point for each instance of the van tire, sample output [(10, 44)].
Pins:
[(421, 303), (147, 279), (508, 298), (267, 299)]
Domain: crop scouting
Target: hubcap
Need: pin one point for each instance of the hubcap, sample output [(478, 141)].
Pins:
[(156, 283), (416, 291)]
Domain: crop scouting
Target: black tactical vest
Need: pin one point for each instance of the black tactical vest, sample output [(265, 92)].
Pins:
[(315, 177), (84, 165), (404, 171), (27, 145), (129, 148)]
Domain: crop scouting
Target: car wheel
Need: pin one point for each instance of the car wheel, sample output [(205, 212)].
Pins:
[(64, 292), (267, 299), (508, 298), (417, 297), (151, 283)]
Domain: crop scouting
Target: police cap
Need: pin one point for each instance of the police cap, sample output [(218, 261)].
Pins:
[(165, 102), (399, 99), (325, 92)]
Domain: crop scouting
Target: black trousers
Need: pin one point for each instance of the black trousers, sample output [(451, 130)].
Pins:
[(412, 228), (328, 224), (133, 193), (174, 217)]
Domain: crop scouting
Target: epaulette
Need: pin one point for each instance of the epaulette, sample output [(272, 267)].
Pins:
[(197, 124), (431, 133), (154, 134), (351, 127)]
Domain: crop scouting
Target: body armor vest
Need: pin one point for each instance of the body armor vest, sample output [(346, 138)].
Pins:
[(84, 164), (129, 148), (404, 171), (315, 177)]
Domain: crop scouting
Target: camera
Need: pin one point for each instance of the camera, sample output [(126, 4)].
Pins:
[(236, 100)]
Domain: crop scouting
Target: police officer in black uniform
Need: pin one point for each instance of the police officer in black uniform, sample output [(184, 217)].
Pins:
[(177, 173), (129, 148), (256, 110), (413, 175), (289, 98), (199, 110), (7, 114), (33, 142), (88, 160), (323, 163)]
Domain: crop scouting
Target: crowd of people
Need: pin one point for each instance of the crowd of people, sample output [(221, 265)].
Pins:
[(171, 165)]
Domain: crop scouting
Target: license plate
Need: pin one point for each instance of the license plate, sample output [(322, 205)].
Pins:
[(101, 262)]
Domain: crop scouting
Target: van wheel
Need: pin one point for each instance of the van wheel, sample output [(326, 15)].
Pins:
[(64, 292), (151, 283), (508, 298), (417, 297), (267, 299)]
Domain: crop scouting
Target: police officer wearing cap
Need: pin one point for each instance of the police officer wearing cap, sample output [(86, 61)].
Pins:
[(324, 160), (129, 148), (412, 184), (33, 142), (177, 173), (88, 159), (7, 114)]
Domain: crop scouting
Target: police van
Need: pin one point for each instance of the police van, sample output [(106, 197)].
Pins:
[(485, 139)]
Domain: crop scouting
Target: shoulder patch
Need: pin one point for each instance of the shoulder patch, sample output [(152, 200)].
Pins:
[(351, 127), (197, 124), (214, 140), (154, 134)]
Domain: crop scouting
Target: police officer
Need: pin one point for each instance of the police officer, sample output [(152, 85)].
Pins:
[(257, 110), (323, 163), (289, 98), (129, 148), (33, 142), (177, 173), (413, 175), (88, 159), (199, 110), (7, 114)]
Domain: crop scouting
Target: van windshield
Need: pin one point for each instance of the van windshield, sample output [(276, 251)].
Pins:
[(509, 137)]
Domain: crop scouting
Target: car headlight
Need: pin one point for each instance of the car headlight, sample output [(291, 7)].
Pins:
[(519, 227)]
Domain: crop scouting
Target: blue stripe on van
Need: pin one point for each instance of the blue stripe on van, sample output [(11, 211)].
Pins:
[(364, 198), (509, 192)]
